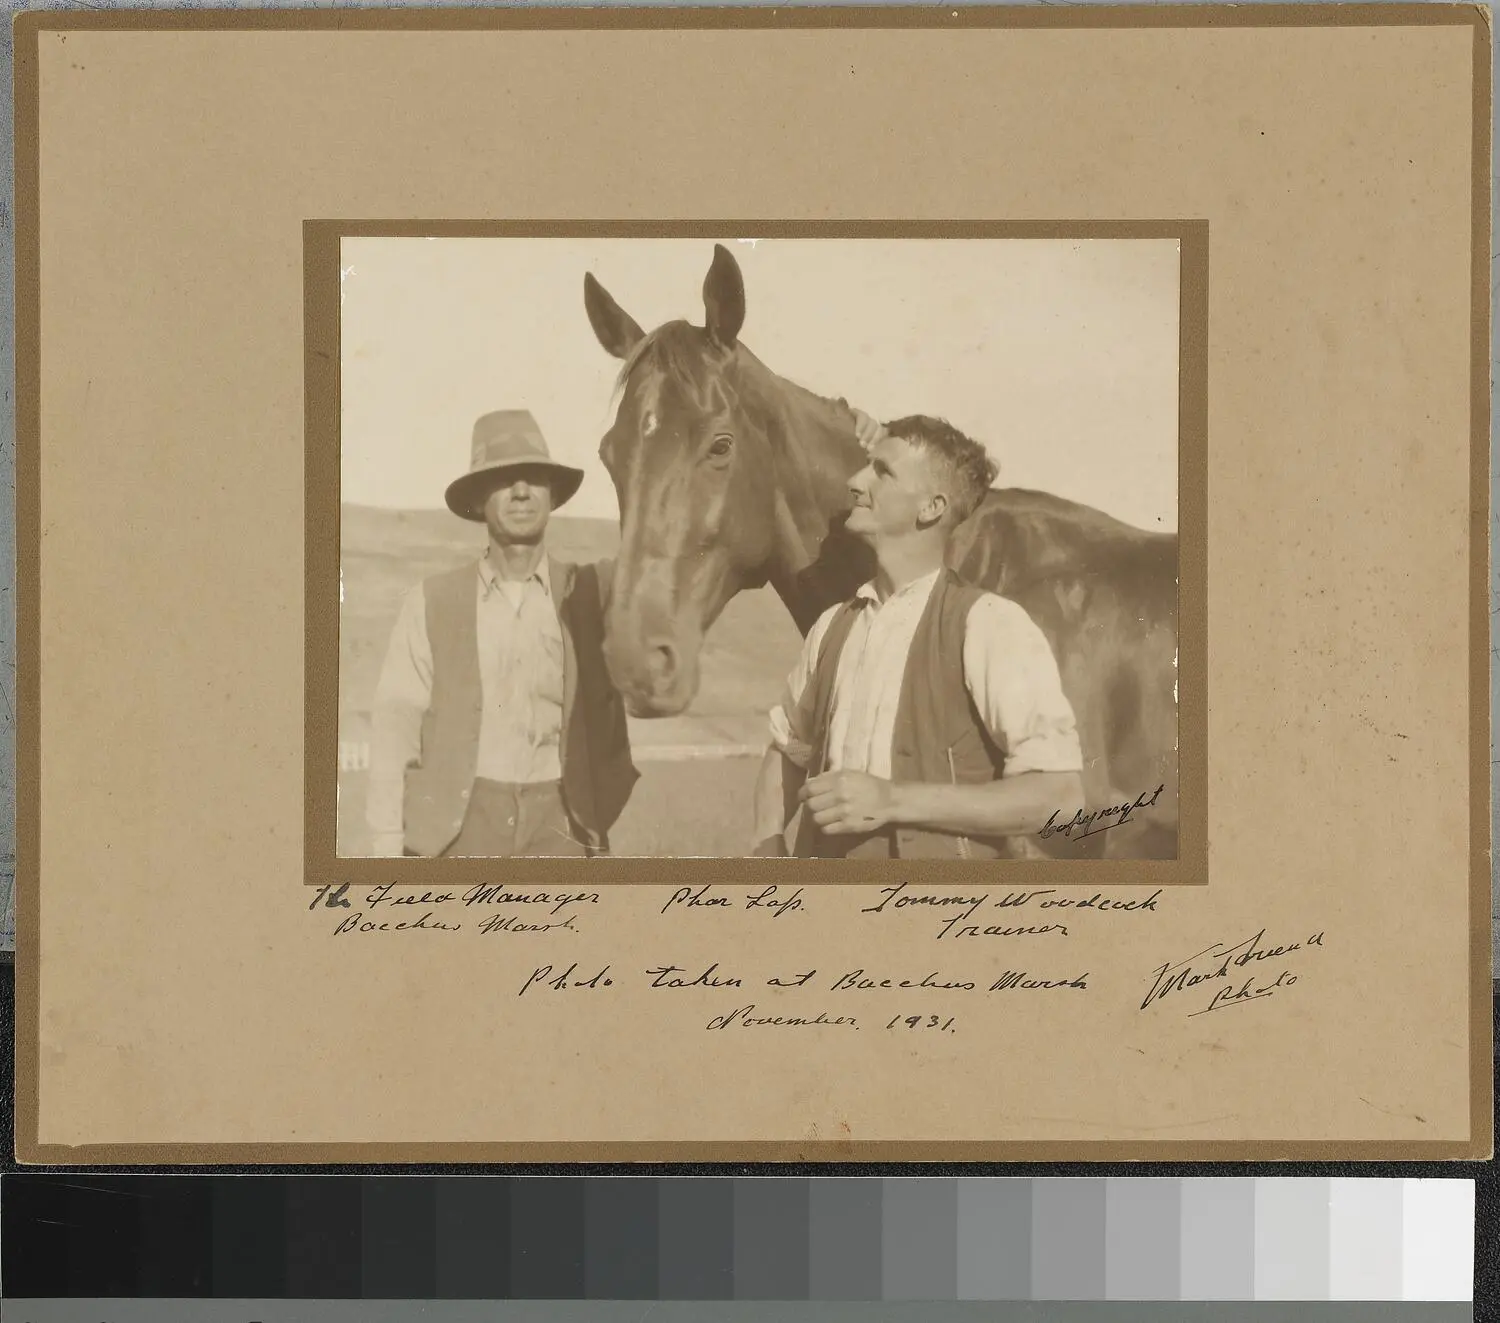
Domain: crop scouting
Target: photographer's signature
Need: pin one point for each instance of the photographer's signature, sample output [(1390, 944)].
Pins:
[(1236, 973), (1090, 824)]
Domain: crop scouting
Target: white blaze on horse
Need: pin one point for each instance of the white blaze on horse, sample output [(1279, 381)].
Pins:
[(731, 477)]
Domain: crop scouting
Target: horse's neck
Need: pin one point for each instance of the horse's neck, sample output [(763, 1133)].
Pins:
[(816, 453)]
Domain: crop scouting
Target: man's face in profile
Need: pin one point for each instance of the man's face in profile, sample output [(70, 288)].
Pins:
[(893, 493)]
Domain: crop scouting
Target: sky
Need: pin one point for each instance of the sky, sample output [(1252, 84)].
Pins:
[(1060, 355)]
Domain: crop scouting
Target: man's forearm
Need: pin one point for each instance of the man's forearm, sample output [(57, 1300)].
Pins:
[(1012, 806)]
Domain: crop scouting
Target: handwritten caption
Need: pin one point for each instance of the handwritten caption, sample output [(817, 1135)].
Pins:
[(773, 901), (545, 979), (913, 1002), (966, 912), (966, 915), (551, 904)]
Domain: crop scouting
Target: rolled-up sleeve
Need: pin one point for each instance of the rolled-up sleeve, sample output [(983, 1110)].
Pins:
[(791, 720), (1016, 687)]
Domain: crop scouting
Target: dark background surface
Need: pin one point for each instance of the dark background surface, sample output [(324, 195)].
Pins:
[(164, 1231)]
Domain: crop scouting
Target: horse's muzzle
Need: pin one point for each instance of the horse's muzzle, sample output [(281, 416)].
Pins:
[(657, 677)]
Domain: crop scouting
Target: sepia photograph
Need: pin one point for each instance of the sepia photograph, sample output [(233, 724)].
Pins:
[(860, 548)]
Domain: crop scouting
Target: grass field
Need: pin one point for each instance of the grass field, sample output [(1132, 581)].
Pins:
[(692, 799)]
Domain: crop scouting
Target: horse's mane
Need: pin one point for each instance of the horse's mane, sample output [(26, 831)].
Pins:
[(804, 411)]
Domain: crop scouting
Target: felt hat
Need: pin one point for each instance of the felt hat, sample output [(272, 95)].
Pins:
[(506, 439)]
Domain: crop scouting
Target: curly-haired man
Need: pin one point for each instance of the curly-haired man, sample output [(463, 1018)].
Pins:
[(925, 716)]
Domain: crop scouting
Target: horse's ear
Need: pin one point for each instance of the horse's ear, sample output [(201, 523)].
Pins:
[(616, 328), (724, 298)]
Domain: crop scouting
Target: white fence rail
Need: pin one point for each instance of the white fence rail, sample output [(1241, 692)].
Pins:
[(354, 755)]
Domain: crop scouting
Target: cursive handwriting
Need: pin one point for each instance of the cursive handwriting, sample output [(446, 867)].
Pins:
[(558, 900), (858, 980), (387, 894), (855, 980), (999, 930), (695, 899), (665, 976), (769, 898), (357, 923), (1099, 901), (963, 909), (1247, 991), (895, 896), (510, 924), (745, 1017), (1214, 964), (382, 895), (565, 981), (1120, 813), (1011, 981)]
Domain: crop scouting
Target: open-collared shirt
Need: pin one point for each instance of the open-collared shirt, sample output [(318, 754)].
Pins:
[(521, 678), (1009, 670)]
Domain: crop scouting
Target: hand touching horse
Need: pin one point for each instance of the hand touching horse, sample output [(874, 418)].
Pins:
[(732, 477)]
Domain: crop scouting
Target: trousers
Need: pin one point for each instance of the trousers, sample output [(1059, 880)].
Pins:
[(506, 819)]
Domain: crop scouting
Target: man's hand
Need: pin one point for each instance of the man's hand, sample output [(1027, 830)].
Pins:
[(866, 430), (846, 803)]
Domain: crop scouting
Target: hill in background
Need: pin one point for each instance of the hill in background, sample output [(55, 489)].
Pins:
[(746, 657)]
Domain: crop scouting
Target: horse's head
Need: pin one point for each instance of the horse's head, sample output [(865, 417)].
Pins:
[(693, 467)]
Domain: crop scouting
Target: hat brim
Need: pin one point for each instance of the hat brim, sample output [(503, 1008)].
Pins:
[(466, 495)]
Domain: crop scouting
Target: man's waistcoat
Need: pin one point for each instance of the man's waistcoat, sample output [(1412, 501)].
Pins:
[(938, 735), (597, 771)]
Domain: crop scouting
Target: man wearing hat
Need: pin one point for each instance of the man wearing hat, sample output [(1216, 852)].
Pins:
[(497, 731)]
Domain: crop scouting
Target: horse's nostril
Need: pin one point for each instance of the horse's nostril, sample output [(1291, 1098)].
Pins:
[(662, 658)]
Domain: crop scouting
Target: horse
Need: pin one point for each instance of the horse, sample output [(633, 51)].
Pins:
[(731, 477)]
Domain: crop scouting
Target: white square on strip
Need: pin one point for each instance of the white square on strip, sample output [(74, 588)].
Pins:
[(1437, 1240)]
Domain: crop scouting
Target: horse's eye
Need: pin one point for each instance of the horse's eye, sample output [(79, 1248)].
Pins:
[(721, 447)]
